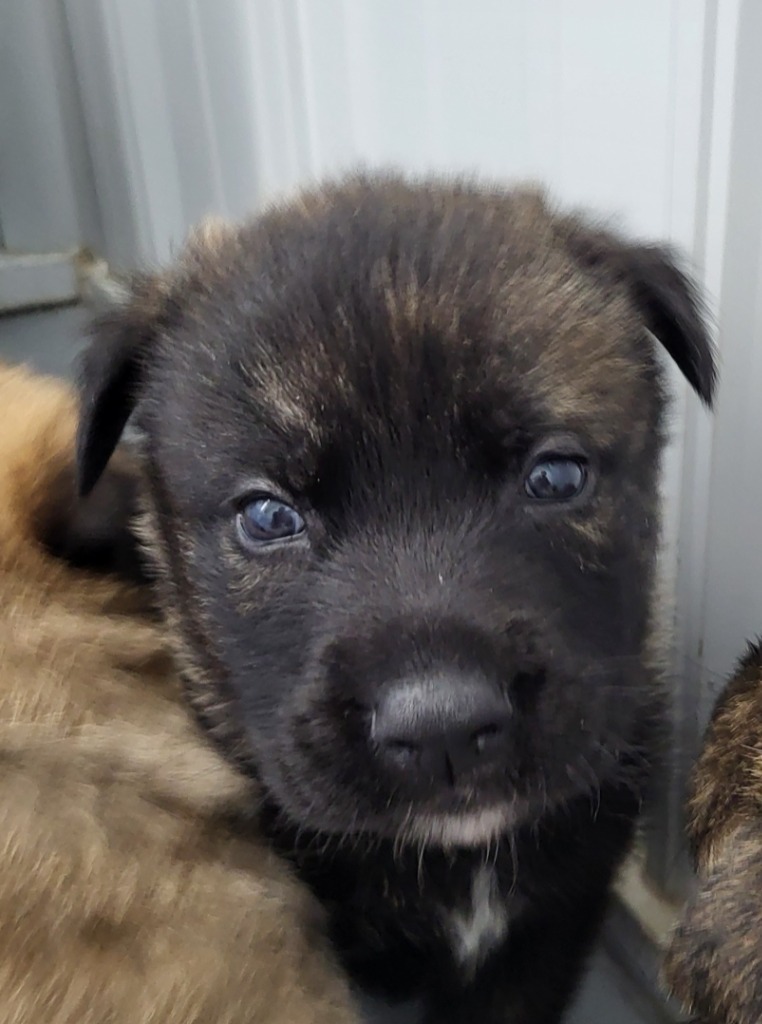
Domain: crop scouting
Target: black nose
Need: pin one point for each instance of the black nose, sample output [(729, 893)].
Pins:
[(441, 729)]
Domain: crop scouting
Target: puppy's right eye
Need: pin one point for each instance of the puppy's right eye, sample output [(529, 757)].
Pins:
[(268, 519), (556, 478)]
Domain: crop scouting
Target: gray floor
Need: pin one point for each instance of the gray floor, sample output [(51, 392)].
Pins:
[(49, 341), (608, 997)]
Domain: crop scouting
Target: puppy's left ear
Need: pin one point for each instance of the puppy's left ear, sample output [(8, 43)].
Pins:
[(667, 298), (112, 373)]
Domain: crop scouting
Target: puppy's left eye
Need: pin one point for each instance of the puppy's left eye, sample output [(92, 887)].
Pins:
[(557, 478), (269, 519)]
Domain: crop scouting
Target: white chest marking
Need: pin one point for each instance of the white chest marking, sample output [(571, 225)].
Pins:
[(477, 930)]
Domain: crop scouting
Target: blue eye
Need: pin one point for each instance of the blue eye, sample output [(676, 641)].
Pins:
[(558, 478), (269, 519)]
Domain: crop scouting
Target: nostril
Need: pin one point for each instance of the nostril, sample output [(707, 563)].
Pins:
[(527, 687), (487, 738), (401, 754)]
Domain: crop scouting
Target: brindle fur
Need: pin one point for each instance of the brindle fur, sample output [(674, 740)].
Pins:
[(389, 355), (132, 889), (714, 964)]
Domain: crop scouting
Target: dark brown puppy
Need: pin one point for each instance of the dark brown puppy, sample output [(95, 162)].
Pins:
[(402, 448), (128, 894), (714, 964)]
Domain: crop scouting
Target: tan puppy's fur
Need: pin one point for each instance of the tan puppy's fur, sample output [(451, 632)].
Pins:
[(714, 964), (129, 890)]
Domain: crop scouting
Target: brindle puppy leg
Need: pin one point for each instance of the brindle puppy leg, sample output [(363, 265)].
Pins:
[(714, 965)]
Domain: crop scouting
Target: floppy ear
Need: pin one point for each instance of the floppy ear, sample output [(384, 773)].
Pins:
[(669, 301), (112, 372)]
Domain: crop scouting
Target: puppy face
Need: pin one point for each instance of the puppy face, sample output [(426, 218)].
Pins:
[(402, 446)]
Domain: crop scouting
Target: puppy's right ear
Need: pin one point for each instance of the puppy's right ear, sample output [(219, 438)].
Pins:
[(112, 372)]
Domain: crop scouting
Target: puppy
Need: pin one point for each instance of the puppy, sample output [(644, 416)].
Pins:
[(714, 964), (402, 447), (132, 886)]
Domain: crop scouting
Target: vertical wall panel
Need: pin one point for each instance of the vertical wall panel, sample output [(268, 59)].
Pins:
[(733, 578), (243, 99), (46, 184)]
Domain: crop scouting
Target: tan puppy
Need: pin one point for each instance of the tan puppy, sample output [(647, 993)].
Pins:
[(132, 885), (714, 964)]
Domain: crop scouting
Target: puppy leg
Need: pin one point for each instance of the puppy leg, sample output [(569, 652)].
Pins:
[(714, 963), (531, 980)]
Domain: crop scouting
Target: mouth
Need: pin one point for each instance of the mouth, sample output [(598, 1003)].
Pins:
[(469, 819), (467, 829)]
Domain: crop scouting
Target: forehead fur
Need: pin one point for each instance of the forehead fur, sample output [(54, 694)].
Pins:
[(392, 289)]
